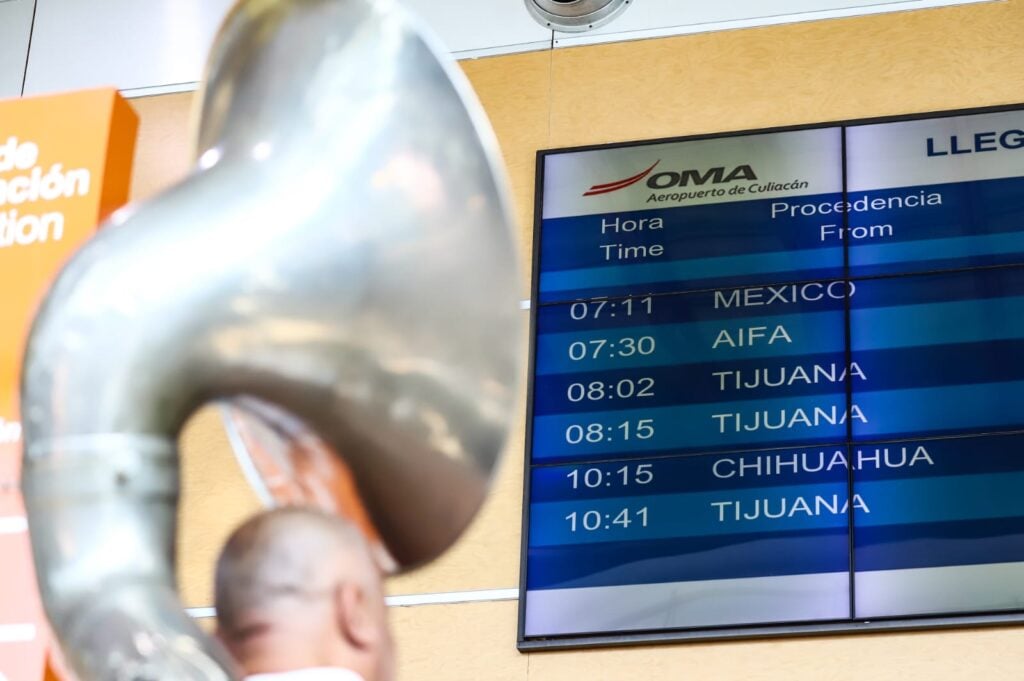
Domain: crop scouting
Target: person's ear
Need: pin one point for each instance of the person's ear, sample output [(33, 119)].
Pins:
[(354, 616)]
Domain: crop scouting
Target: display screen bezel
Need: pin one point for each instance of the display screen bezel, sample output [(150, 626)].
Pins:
[(760, 630)]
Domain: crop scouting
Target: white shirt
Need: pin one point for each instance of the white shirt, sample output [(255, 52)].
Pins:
[(311, 674)]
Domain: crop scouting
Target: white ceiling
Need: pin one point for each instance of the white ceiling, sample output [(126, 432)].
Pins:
[(148, 46), (127, 43)]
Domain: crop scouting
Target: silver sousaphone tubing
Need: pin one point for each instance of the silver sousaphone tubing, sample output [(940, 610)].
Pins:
[(342, 251)]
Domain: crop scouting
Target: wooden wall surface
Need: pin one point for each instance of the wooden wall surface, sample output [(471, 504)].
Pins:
[(870, 66)]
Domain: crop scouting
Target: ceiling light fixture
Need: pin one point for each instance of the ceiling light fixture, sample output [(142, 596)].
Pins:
[(575, 16)]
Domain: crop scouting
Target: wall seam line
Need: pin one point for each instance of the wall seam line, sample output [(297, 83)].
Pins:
[(28, 48)]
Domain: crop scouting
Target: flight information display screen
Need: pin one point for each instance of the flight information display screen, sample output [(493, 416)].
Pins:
[(778, 383)]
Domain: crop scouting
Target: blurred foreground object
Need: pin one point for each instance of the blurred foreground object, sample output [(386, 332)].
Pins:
[(342, 252)]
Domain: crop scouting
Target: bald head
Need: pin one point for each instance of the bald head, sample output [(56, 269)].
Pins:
[(297, 588)]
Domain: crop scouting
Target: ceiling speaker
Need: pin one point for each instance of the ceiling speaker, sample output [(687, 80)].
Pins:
[(575, 16)]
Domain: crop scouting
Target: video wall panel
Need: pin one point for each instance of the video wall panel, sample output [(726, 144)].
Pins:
[(778, 383)]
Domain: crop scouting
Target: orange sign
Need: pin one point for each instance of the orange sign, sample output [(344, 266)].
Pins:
[(65, 165)]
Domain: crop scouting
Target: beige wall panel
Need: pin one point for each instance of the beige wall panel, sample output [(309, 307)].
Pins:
[(515, 91), (801, 73), (215, 499), (467, 642), (991, 654), (870, 66), (897, 63), (163, 154)]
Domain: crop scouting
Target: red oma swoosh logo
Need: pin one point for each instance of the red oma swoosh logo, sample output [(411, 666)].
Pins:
[(619, 184)]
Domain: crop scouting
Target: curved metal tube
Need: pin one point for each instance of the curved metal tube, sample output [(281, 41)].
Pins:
[(342, 251)]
